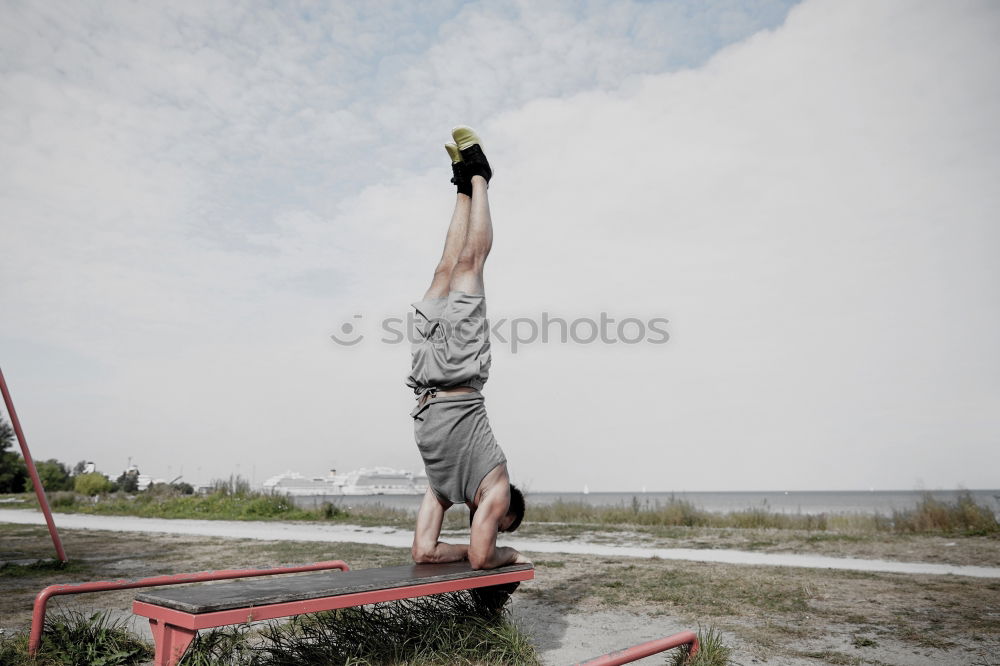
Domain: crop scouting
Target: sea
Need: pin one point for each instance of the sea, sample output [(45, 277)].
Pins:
[(796, 502)]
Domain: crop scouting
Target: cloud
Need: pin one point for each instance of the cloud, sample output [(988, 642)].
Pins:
[(201, 196)]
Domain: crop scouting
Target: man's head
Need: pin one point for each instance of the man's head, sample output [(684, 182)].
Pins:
[(515, 512)]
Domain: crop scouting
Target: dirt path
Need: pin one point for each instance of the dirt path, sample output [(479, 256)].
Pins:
[(593, 544)]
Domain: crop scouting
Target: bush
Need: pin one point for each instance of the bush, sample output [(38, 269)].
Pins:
[(933, 515), (183, 488), (92, 484), (128, 482), (54, 475), (62, 499), (234, 485)]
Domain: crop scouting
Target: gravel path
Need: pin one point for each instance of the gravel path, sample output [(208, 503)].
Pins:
[(387, 536)]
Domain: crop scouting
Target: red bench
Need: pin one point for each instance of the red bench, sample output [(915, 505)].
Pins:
[(176, 614)]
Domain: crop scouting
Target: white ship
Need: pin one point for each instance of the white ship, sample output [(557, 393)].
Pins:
[(293, 483), (384, 481), (364, 481)]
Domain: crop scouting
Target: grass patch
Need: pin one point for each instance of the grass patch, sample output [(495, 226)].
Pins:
[(72, 638), (358, 556), (695, 591), (214, 506), (40, 568), (236, 501), (454, 628), (931, 516), (711, 651), (964, 516), (831, 657)]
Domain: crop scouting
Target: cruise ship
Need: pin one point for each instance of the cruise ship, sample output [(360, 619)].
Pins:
[(364, 481), (293, 483)]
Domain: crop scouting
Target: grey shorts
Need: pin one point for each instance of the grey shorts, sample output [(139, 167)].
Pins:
[(456, 443), (452, 345)]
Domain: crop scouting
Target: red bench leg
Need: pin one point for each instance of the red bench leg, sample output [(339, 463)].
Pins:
[(170, 641)]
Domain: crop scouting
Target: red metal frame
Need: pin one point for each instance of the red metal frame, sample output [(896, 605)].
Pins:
[(173, 630), (39, 490), (636, 652), (38, 615)]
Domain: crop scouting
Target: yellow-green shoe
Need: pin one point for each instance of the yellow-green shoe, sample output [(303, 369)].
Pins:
[(465, 137), (471, 149), (459, 174)]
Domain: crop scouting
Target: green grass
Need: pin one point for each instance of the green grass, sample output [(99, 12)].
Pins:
[(711, 651), (961, 517), (73, 638), (238, 504), (252, 506), (235, 501), (964, 516), (455, 628), (40, 568)]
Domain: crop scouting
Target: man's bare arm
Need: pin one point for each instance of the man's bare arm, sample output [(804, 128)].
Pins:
[(483, 551), (427, 548)]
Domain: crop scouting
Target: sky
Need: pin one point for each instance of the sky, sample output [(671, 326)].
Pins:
[(788, 210)]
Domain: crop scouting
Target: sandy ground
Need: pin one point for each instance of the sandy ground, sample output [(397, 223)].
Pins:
[(581, 606)]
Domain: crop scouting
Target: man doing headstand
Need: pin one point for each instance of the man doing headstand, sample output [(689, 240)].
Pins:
[(451, 363)]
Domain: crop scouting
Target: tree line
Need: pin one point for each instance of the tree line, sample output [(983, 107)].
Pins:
[(56, 475)]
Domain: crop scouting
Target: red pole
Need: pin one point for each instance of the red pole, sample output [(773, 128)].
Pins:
[(636, 652), (39, 491)]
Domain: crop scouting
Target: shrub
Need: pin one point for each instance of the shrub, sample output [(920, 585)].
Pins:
[(92, 484), (54, 475), (62, 499), (712, 651), (933, 515)]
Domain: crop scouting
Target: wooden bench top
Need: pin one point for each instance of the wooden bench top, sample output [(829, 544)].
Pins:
[(210, 597)]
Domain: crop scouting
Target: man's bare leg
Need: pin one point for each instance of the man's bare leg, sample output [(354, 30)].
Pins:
[(453, 243), (467, 273)]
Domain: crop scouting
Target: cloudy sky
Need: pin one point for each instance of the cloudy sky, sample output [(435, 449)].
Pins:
[(195, 196)]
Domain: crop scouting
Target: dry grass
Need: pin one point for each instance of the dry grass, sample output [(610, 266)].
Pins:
[(963, 516)]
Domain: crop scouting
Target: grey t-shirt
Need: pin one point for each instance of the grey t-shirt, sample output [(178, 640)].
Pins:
[(457, 444)]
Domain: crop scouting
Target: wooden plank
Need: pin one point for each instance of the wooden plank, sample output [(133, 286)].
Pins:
[(205, 598)]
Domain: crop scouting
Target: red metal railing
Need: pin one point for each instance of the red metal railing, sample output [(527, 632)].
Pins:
[(38, 615), (628, 655), (43, 502)]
